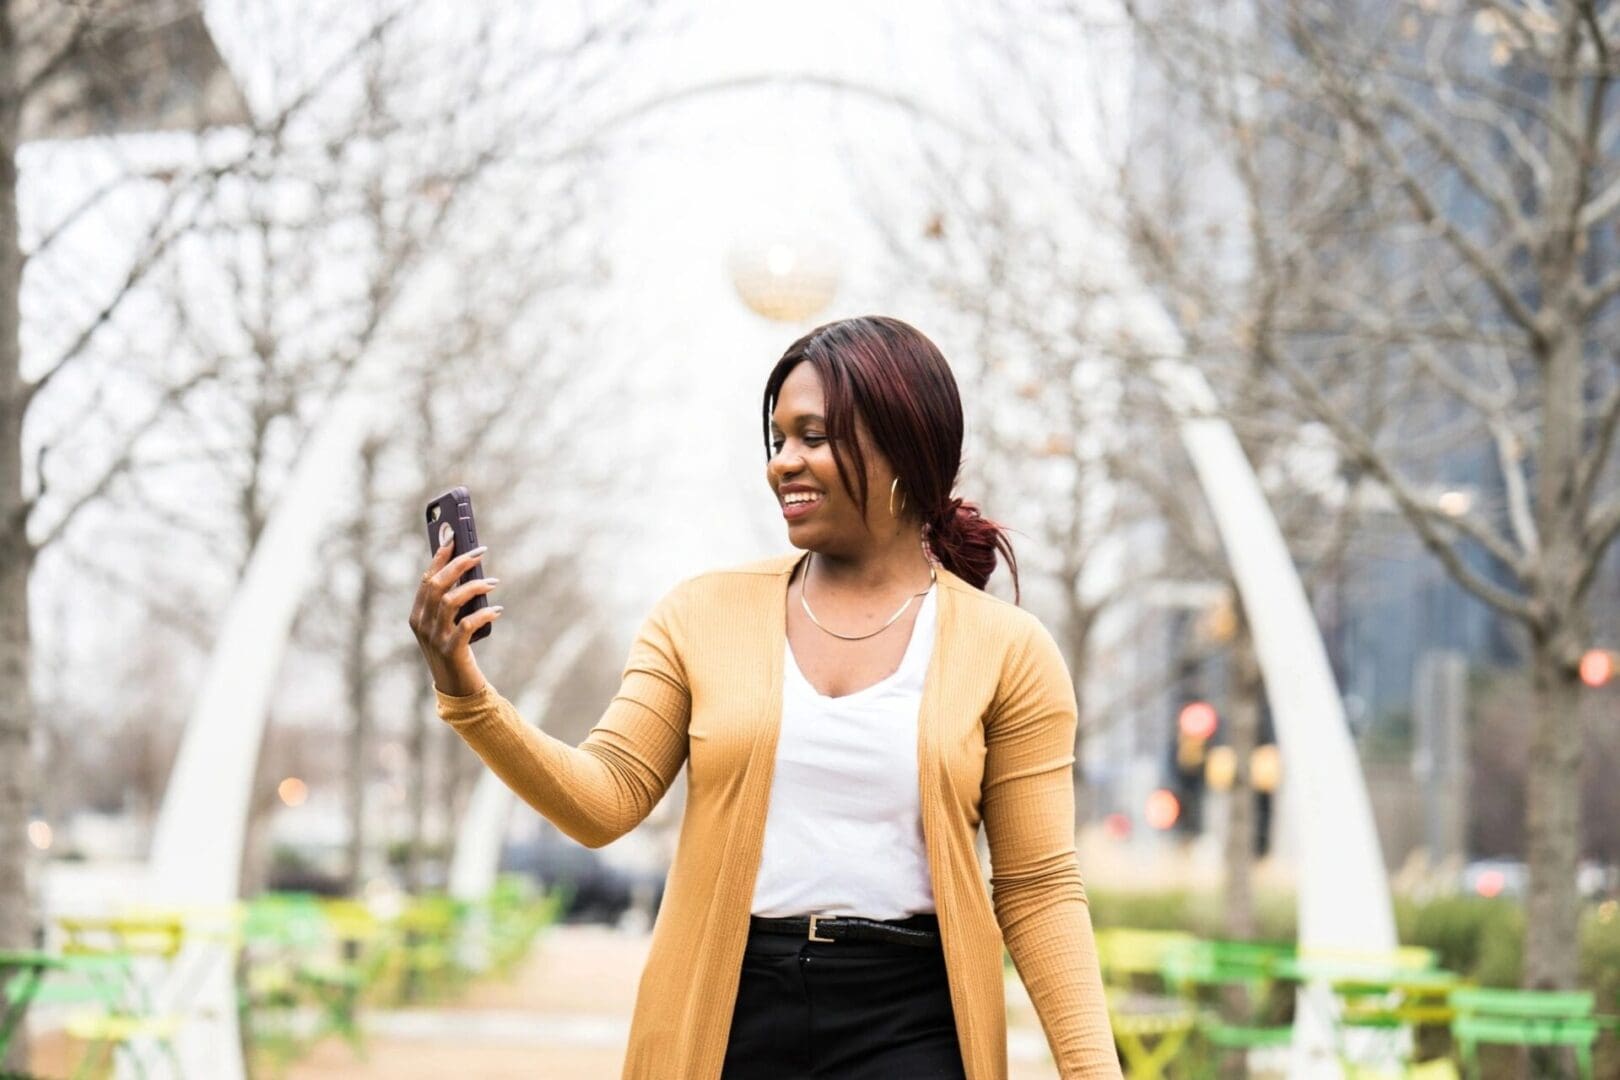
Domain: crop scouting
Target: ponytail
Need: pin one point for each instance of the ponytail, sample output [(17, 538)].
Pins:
[(966, 543)]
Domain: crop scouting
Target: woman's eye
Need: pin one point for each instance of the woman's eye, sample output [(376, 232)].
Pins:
[(809, 440)]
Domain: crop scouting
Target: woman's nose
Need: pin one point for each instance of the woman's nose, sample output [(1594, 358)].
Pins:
[(784, 463)]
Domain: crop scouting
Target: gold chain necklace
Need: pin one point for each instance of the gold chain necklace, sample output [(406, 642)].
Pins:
[(933, 576)]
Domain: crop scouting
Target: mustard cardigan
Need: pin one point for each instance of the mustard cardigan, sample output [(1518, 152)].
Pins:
[(703, 687)]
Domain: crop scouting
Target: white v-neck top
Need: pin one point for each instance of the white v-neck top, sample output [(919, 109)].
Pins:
[(843, 832)]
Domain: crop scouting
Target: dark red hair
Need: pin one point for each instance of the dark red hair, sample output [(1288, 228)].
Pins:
[(890, 374)]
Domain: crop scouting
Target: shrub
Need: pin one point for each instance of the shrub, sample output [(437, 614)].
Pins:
[(1479, 939)]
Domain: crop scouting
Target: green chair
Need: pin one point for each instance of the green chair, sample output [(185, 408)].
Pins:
[(513, 916), (281, 932), (1240, 976), (109, 1015), (22, 974), (303, 953), (1524, 1018), (429, 931), (355, 953), (149, 946)]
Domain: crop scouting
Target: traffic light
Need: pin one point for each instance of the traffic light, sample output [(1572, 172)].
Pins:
[(1196, 724), (1598, 667)]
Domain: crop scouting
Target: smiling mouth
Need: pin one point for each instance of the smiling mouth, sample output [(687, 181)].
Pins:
[(798, 507)]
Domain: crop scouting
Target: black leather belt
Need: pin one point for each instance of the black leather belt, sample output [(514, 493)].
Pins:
[(921, 931)]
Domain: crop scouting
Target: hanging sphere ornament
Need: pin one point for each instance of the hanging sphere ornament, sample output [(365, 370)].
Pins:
[(784, 279)]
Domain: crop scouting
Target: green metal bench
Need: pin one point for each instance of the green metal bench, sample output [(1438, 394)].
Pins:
[(1525, 1018)]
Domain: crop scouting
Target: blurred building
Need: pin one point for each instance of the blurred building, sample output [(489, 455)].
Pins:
[(1409, 646), (119, 67)]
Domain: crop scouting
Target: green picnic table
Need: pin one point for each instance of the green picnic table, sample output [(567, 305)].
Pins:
[(1151, 1030), (1383, 990)]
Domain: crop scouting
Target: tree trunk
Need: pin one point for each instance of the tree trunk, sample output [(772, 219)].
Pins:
[(1551, 950), (17, 915), (422, 709), (1551, 958), (1243, 731), (358, 669), (1080, 619)]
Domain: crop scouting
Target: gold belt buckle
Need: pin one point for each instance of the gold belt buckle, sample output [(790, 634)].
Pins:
[(813, 920)]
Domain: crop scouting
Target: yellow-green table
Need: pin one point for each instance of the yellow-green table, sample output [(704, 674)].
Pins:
[(1150, 1030)]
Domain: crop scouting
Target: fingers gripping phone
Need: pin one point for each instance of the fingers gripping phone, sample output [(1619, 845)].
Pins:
[(450, 516)]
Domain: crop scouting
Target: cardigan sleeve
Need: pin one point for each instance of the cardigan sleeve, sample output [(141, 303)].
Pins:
[(603, 788), (1039, 898)]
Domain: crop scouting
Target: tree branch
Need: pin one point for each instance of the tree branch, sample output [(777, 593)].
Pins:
[(1600, 533), (1589, 470), (1503, 202), (157, 242), (123, 459), (1423, 205), (1593, 299), (1424, 520), (1509, 455), (1601, 205), (1494, 412)]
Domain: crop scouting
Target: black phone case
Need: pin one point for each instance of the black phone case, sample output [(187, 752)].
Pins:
[(455, 507)]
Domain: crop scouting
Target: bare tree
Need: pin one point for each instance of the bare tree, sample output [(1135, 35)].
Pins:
[(260, 270), (1071, 430), (1027, 378), (1427, 195), (48, 87), (516, 435)]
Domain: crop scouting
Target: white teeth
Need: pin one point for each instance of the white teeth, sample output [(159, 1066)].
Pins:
[(799, 497)]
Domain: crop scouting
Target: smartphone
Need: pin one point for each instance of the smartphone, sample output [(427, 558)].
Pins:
[(450, 516)]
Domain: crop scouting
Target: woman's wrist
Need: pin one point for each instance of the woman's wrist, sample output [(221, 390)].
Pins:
[(460, 682)]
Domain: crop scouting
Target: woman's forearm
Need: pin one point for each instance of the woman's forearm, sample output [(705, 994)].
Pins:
[(1049, 936), (595, 792)]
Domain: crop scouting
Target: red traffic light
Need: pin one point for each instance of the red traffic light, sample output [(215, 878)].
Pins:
[(1597, 667), (1163, 809), (1198, 720)]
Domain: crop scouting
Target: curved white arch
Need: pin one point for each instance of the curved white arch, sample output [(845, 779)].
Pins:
[(197, 844), (1343, 889)]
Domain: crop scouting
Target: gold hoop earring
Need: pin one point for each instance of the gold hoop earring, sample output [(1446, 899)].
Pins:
[(892, 484)]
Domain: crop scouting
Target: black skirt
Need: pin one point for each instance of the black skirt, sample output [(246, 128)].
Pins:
[(854, 1010)]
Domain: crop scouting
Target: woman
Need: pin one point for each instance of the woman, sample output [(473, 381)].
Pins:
[(847, 714)]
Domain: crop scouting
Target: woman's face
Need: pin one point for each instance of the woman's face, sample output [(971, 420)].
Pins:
[(802, 468)]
